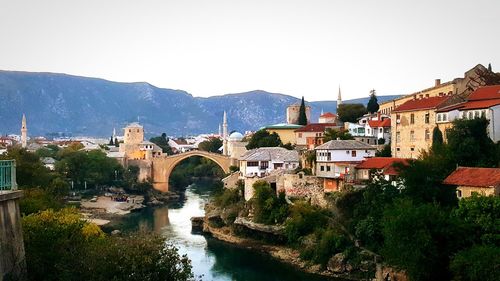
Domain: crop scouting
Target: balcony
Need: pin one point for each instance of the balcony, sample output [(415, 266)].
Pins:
[(7, 175)]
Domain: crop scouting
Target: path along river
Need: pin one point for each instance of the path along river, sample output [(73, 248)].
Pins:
[(213, 259)]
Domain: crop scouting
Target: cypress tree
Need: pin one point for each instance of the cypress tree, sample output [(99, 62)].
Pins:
[(372, 106), (117, 144), (111, 141), (437, 138), (302, 113)]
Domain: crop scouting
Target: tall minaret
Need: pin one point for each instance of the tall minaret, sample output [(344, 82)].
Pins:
[(114, 134), (24, 133), (224, 134), (220, 130), (339, 100)]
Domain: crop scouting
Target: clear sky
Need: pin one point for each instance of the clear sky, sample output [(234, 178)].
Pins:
[(295, 47)]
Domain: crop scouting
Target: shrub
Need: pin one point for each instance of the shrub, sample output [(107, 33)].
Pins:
[(304, 219), (268, 208)]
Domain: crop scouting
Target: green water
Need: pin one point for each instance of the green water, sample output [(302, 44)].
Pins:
[(213, 259)]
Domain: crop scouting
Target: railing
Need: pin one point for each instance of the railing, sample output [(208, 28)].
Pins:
[(8, 175)]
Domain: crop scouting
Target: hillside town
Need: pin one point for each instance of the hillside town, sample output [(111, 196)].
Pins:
[(301, 161)]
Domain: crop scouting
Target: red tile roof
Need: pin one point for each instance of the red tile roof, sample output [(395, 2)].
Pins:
[(383, 163), (480, 104), (479, 177), (316, 127), (421, 104), (380, 123), (485, 93), (328, 114)]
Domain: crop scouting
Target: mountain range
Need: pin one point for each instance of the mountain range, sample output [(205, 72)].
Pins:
[(73, 105)]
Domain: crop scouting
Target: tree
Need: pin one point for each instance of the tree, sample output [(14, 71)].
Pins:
[(437, 138), (470, 144), (478, 263), (372, 106), (385, 152), (117, 144), (162, 142), (111, 141), (333, 134), (211, 145), (302, 113), (263, 138), (268, 208), (351, 112), (418, 237), (29, 169)]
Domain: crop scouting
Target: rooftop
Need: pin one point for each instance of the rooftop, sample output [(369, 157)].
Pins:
[(383, 163), (316, 127), (344, 145), (276, 154), (485, 93), (421, 104), (479, 177), (283, 126), (328, 115), (380, 123)]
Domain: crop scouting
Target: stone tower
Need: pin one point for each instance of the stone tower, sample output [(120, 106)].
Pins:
[(293, 111), (24, 133), (133, 134), (224, 134), (339, 100)]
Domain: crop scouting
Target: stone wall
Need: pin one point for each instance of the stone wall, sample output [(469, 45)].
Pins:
[(12, 258), (145, 167), (302, 186)]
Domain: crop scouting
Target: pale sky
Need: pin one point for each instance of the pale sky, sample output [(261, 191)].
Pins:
[(295, 47)]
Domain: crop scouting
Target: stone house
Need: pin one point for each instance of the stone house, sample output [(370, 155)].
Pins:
[(286, 132), (412, 124), (336, 159), (387, 167), (261, 161), (469, 181), (312, 135)]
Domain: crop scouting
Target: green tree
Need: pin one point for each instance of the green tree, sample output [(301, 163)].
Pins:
[(29, 169), (420, 238), (117, 143), (470, 144), (478, 263), (385, 152), (333, 134), (162, 141), (302, 113), (263, 138), (351, 112), (372, 106), (437, 138), (111, 142), (211, 145), (268, 207)]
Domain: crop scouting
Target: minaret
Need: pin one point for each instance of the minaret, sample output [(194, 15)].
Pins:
[(114, 134), (339, 100), (224, 134), (220, 130), (24, 133)]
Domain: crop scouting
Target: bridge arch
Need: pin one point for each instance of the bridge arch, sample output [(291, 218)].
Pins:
[(162, 167)]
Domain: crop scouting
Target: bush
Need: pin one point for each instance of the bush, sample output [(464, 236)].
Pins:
[(228, 197), (329, 244), (304, 219), (268, 208), (477, 263)]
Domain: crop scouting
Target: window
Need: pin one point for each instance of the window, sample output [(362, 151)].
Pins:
[(300, 135), (412, 149), (398, 117), (381, 130), (328, 168), (427, 118), (398, 149), (427, 134), (470, 115), (483, 113), (439, 117), (445, 116), (412, 118), (264, 165), (412, 135), (459, 193), (347, 152), (476, 114), (322, 168), (464, 116), (252, 164), (398, 137), (353, 153)]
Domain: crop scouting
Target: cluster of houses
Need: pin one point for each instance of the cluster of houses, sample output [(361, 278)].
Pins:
[(406, 123)]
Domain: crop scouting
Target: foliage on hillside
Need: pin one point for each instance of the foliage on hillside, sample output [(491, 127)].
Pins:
[(263, 138)]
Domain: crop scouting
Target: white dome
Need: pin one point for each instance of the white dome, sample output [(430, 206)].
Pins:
[(235, 136)]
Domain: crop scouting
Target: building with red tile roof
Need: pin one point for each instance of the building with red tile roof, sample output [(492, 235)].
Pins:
[(471, 180), (421, 104), (328, 117), (389, 167), (312, 134)]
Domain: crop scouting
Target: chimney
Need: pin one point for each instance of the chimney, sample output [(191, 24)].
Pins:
[(437, 82)]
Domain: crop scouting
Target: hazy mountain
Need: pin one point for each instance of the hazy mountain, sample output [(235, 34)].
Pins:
[(90, 106)]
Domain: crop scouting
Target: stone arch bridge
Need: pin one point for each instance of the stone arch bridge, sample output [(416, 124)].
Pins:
[(162, 167)]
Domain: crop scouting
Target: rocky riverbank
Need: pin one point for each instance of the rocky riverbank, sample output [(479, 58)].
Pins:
[(214, 223)]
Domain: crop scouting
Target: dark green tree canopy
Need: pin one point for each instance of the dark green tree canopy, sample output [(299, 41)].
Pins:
[(302, 113), (211, 145), (162, 141), (333, 134), (350, 112), (372, 106), (263, 138)]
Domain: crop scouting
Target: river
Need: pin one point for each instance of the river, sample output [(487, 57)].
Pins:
[(212, 259)]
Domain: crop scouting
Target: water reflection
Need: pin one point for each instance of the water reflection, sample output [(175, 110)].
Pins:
[(213, 259)]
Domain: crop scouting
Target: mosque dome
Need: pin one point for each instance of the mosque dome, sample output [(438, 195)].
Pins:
[(235, 136)]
